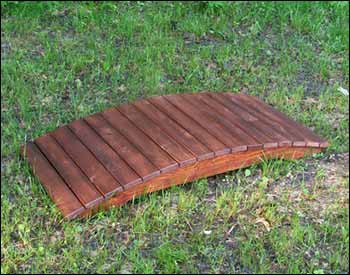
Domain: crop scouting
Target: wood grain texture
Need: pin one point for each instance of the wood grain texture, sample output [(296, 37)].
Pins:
[(149, 148), (158, 135), (66, 201), (212, 124), (125, 148), (190, 125), (201, 169), (92, 168), (254, 125), (276, 116), (181, 135), (108, 158), (69, 171)]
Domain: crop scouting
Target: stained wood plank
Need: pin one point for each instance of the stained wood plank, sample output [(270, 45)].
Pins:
[(125, 149), (205, 168), (259, 138), (78, 182), (57, 189), (190, 125), (255, 126), (247, 136), (153, 131), (174, 130), (152, 144), (120, 170), (252, 114), (212, 125), (144, 144), (311, 139), (97, 174)]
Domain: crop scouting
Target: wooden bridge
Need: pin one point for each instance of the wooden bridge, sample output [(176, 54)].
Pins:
[(110, 157)]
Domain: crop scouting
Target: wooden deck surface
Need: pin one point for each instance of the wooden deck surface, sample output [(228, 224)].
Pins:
[(108, 158)]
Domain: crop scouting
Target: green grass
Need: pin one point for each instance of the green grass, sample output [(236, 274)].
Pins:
[(61, 61)]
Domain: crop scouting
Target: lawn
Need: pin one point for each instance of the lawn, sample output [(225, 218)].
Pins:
[(61, 61)]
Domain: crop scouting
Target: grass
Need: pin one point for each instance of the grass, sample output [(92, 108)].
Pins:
[(61, 61)]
